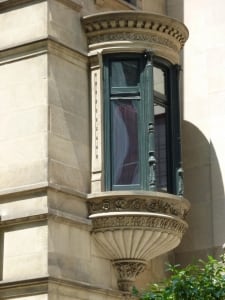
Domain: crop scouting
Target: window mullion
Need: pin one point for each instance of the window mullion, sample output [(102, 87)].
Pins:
[(149, 117), (177, 169)]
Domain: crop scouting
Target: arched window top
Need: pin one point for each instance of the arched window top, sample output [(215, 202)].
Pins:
[(135, 31)]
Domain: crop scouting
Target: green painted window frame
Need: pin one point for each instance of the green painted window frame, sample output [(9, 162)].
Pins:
[(145, 113)]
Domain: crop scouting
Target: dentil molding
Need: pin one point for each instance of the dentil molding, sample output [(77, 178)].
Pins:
[(133, 31)]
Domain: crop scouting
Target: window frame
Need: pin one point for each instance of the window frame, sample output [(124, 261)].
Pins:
[(132, 2), (172, 122)]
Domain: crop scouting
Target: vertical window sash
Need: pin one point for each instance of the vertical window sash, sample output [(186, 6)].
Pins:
[(141, 97), (149, 116)]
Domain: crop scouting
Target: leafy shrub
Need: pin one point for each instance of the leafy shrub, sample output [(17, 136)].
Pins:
[(204, 280)]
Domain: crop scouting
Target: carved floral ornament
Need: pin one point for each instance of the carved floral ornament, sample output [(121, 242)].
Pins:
[(135, 31), (132, 228), (139, 203)]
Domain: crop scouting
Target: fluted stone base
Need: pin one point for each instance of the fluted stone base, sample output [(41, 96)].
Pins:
[(131, 228)]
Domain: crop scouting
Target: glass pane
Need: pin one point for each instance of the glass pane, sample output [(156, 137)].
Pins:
[(160, 147), (125, 73), (125, 156), (159, 80), (131, 1)]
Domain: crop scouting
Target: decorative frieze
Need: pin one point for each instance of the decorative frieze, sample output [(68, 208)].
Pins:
[(151, 221), (136, 20), (133, 36), (141, 204), (134, 29)]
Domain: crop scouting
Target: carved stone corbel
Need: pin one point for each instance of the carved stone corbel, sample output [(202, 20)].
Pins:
[(127, 271), (132, 228)]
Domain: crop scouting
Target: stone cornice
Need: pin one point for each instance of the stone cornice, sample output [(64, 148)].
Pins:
[(42, 217), (40, 285), (135, 30), (125, 20), (93, 289), (39, 47), (56, 215), (48, 212), (24, 287), (41, 187), (11, 4)]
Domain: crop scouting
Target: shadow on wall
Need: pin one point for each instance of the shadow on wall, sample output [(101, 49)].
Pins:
[(1, 254), (205, 191)]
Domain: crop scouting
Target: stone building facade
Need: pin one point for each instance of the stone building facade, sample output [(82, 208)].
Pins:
[(69, 228)]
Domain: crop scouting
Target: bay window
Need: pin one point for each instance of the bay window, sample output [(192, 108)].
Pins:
[(135, 137), (141, 123)]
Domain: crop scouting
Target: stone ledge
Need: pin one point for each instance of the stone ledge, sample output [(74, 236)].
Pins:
[(39, 47), (24, 287), (11, 4), (90, 288), (57, 216), (53, 201), (40, 285), (23, 220), (63, 217), (23, 190), (37, 188)]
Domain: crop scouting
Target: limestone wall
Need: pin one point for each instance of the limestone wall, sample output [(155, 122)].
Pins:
[(45, 156), (23, 122), (203, 128), (69, 153), (23, 24)]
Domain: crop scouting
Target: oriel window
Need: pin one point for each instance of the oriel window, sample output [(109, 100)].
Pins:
[(141, 123)]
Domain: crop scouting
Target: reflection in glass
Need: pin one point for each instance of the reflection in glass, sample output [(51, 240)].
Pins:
[(160, 147), (131, 1), (159, 80), (125, 160), (125, 73)]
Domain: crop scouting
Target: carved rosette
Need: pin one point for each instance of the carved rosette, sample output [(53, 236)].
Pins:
[(133, 31), (132, 228)]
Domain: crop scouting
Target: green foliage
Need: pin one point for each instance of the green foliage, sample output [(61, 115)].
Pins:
[(202, 281)]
